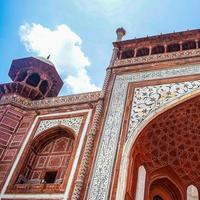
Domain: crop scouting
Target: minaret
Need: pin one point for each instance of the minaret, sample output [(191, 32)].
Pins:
[(120, 34), (33, 78)]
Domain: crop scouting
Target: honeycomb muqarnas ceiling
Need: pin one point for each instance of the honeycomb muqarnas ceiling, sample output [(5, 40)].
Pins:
[(173, 139)]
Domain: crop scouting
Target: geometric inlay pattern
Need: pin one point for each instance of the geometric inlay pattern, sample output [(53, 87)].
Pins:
[(173, 139), (147, 99), (74, 123)]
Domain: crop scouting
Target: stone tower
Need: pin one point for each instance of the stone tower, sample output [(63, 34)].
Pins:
[(34, 78)]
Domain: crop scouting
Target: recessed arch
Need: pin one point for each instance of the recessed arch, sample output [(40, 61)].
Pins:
[(158, 49), (163, 188), (33, 79), (173, 47), (48, 157), (189, 45), (127, 53), (126, 155), (142, 52)]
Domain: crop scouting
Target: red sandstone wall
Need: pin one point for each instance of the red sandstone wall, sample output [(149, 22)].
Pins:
[(14, 125)]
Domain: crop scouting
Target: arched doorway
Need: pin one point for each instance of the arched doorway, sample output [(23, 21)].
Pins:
[(169, 146)]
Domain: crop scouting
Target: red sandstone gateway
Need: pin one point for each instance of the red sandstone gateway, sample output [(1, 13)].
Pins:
[(137, 139)]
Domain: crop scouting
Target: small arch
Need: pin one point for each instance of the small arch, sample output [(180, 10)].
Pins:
[(33, 79), (189, 45), (142, 52), (173, 47), (157, 197), (192, 193), (163, 188), (44, 86), (128, 53), (21, 76), (158, 49)]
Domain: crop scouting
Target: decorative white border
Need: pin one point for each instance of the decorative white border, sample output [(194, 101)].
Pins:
[(63, 196), (102, 174), (72, 122)]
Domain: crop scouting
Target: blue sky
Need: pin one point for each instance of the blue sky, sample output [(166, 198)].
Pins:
[(86, 29)]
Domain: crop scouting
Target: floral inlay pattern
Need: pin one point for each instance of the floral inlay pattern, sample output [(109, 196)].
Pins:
[(73, 123), (148, 99)]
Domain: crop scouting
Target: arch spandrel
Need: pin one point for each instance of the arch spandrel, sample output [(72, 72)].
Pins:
[(72, 123)]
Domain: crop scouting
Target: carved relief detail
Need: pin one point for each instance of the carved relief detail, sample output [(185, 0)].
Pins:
[(49, 102), (102, 173)]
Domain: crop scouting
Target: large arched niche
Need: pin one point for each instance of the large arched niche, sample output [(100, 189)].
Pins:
[(171, 141), (47, 161)]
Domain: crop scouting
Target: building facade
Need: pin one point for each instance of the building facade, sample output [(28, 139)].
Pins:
[(136, 139)]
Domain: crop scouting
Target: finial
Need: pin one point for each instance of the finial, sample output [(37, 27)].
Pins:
[(48, 57), (120, 33)]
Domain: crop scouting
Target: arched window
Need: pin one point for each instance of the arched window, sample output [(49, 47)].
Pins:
[(128, 53), (33, 79), (21, 76), (158, 49), (44, 86), (142, 52), (192, 193), (48, 158), (173, 47), (157, 197), (189, 45)]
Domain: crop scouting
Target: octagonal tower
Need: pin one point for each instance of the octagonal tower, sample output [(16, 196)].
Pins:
[(34, 78)]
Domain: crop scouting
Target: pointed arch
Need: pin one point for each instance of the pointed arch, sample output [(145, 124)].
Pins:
[(126, 155), (48, 158)]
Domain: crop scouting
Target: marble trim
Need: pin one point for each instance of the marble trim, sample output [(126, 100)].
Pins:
[(102, 173)]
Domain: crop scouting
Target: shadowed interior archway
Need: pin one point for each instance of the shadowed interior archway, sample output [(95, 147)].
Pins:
[(171, 141)]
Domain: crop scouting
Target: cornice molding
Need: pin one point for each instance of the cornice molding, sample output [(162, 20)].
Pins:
[(49, 102), (157, 58)]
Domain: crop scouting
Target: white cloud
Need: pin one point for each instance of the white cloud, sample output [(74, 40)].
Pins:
[(64, 46)]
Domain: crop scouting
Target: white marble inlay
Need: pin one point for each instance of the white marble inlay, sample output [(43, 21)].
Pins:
[(102, 173), (74, 123), (192, 193), (140, 189), (148, 99)]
